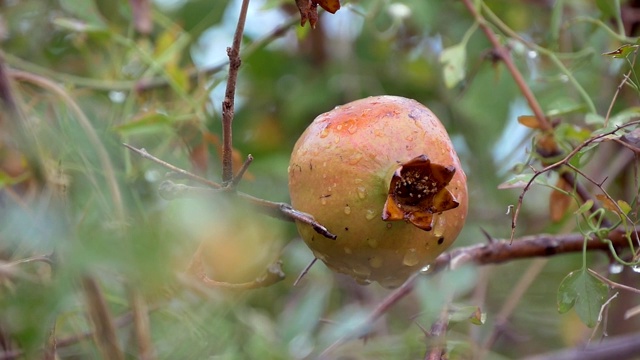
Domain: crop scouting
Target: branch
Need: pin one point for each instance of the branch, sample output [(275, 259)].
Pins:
[(495, 252), (620, 347), (229, 97), (504, 55), (277, 210), (544, 124), (104, 328)]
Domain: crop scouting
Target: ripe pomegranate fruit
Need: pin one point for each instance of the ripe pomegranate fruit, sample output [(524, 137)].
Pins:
[(381, 174)]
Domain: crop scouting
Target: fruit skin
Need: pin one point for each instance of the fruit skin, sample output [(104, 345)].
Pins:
[(340, 172)]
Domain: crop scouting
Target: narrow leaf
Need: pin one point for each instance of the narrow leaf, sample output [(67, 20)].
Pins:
[(453, 60)]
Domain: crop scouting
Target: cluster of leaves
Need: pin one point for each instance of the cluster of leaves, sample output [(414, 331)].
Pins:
[(78, 209)]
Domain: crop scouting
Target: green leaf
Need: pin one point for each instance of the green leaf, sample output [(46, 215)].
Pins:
[(453, 59), (85, 10), (622, 52), (625, 116), (594, 119), (584, 207), (516, 182), (583, 292), (624, 206), (146, 123), (473, 314), (78, 26)]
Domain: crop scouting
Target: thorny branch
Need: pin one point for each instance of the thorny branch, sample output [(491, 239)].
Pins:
[(494, 252), (543, 122), (566, 175)]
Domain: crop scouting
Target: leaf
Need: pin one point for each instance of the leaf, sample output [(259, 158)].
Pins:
[(453, 59), (517, 182), (78, 26), (622, 52), (473, 314), (309, 9), (594, 119), (624, 116), (584, 207), (608, 203), (529, 121), (583, 292), (85, 10), (146, 122), (626, 208), (559, 201), (330, 5)]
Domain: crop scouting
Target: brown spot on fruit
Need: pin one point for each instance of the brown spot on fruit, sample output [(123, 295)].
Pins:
[(383, 157)]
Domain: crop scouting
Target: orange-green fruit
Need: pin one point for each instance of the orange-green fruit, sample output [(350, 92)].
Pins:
[(381, 174)]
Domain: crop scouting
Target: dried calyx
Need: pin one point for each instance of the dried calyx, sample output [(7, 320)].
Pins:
[(417, 191)]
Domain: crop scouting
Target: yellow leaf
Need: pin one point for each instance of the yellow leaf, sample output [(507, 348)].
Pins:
[(529, 121)]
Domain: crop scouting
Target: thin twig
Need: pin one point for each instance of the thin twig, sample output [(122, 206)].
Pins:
[(614, 284), (238, 177), (619, 348), (503, 54), (141, 324), (104, 329), (305, 271), (142, 152), (229, 97), (278, 210), (625, 78)]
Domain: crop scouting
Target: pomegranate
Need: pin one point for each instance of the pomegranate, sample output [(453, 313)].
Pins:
[(381, 174)]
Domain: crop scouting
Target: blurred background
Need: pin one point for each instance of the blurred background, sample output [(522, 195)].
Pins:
[(88, 75)]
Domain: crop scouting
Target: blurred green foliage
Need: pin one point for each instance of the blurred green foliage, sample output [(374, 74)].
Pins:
[(86, 80)]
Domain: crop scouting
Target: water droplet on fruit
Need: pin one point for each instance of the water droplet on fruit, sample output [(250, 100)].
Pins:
[(323, 201), (361, 270), (373, 242), (352, 129), (425, 269), (636, 268), (355, 158), (410, 258), (362, 281), (370, 214), (336, 139), (376, 262), (347, 210), (348, 250), (324, 133), (438, 229), (615, 268), (409, 138), (362, 192)]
